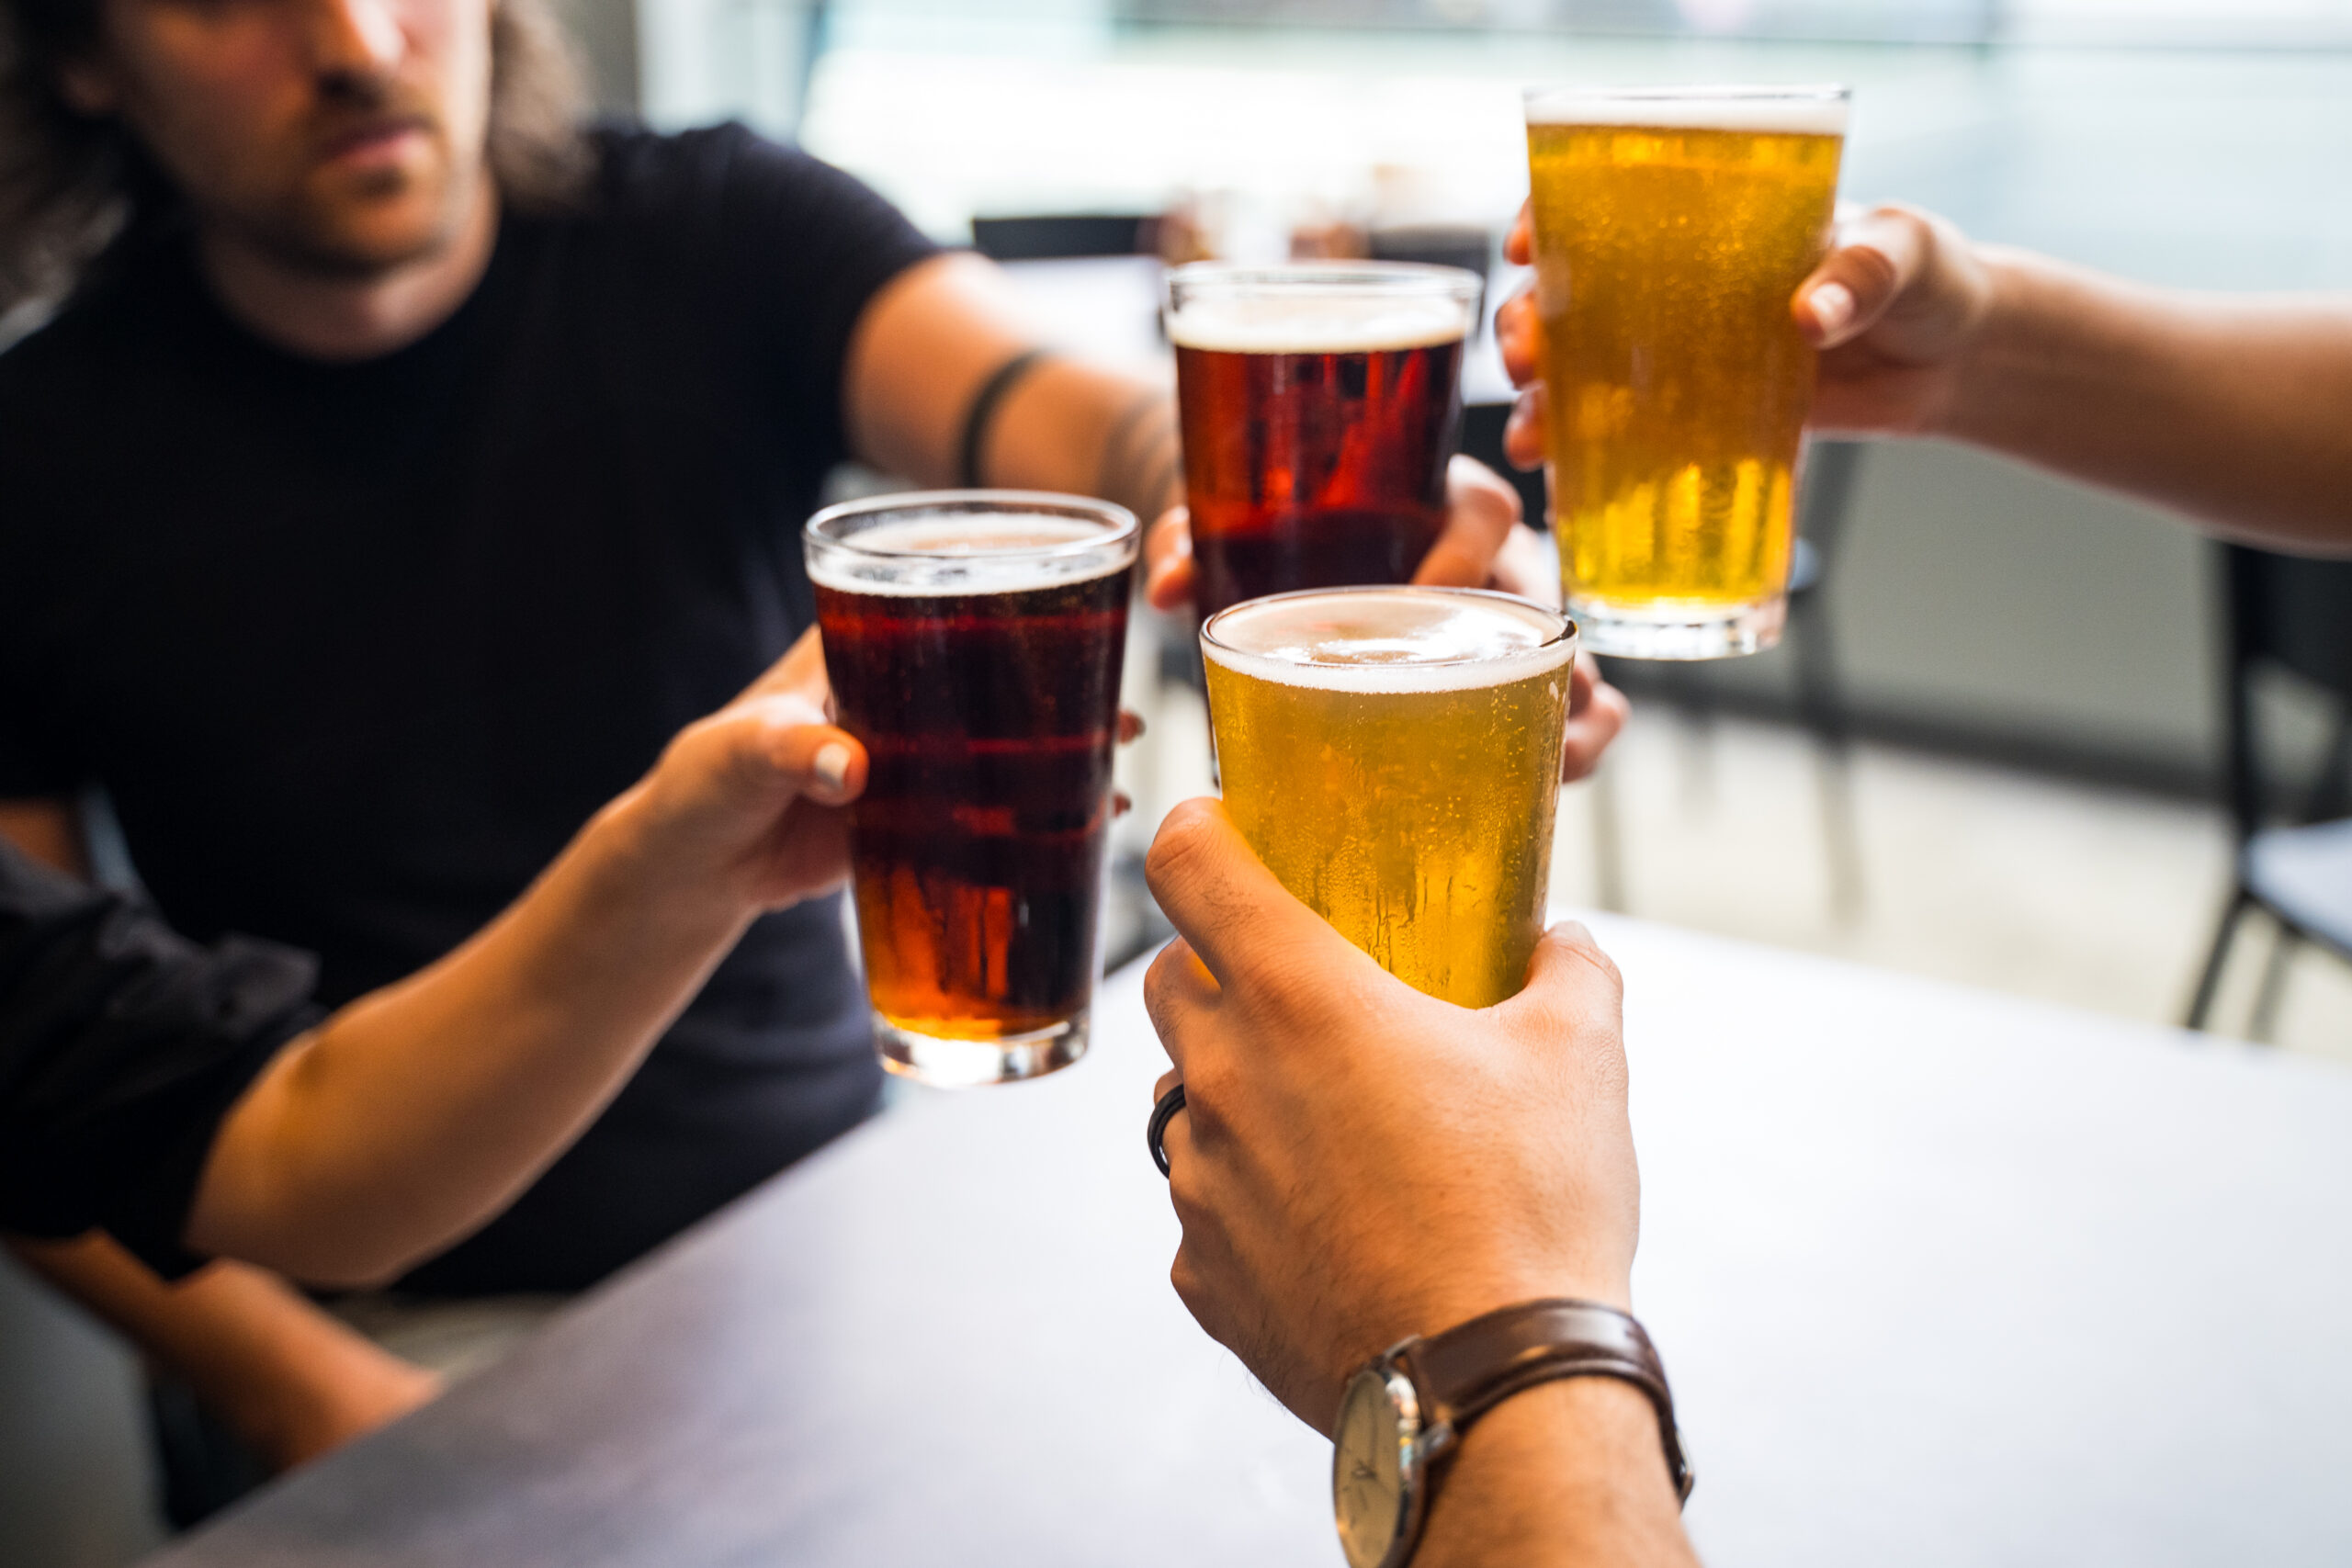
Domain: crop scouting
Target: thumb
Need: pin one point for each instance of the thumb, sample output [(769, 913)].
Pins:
[(1572, 987), (1518, 245), (1481, 508), (1246, 928), (1168, 561), (764, 749), (1877, 258)]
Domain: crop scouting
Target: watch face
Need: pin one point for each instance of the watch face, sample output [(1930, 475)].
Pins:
[(1367, 1485)]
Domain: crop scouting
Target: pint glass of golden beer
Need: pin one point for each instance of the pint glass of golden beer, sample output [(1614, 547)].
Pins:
[(1393, 754), (1321, 402), (974, 640), (1672, 227)]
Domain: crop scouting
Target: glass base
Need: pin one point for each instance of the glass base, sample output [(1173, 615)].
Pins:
[(965, 1064), (1679, 629)]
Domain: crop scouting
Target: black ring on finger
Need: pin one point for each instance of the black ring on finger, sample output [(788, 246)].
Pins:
[(1161, 1115)]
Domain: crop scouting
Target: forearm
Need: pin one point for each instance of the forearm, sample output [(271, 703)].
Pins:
[(1567, 1476), (1085, 430), (288, 1378), (417, 1112), (2237, 412)]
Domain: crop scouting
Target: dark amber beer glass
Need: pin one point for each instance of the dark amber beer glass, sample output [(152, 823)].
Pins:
[(973, 641), (1393, 754), (1320, 405), (1672, 227)]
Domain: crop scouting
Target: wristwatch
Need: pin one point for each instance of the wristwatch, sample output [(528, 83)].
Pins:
[(1402, 1414)]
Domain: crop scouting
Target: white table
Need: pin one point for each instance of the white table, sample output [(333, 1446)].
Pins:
[(1940, 1277)]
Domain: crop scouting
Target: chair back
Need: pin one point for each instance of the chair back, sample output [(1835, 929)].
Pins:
[(2295, 613), (1061, 236)]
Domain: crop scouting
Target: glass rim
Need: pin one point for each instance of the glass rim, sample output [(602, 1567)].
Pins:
[(1120, 526), (1567, 631), (1704, 93), (1384, 279)]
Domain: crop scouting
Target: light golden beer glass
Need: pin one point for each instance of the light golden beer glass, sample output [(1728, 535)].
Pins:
[(1393, 754), (1672, 227)]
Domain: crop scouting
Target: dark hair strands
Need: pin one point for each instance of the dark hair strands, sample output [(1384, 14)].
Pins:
[(70, 183)]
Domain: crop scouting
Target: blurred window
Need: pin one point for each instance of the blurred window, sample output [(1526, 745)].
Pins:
[(2273, 22)]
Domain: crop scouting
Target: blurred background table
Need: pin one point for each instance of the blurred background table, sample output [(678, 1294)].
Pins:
[(1942, 1278)]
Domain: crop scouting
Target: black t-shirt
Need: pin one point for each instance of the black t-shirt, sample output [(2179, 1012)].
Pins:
[(121, 1047), (356, 649)]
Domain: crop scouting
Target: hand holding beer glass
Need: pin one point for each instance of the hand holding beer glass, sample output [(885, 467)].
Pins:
[(1672, 227), (974, 642), (1393, 755)]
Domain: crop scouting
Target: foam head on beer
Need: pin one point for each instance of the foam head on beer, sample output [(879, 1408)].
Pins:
[(980, 553), (1393, 755), (1788, 111), (1393, 640), (1305, 320)]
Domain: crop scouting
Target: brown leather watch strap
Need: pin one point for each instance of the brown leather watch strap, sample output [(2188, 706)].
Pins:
[(1470, 1368)]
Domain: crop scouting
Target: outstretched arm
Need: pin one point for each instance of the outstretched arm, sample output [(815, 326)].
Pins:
[(2233, 410), (412, 1116), (417, 1112)]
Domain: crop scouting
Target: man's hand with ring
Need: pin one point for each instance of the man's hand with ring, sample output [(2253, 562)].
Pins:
[(1356, 1161)]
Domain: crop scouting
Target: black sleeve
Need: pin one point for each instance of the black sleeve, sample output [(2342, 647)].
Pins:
[(29, 764), (121, 1047), (808, 247), (34, 759), (33, 763)]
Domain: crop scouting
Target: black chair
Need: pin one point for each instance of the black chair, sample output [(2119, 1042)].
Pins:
[(2294, 859), (1466, 245), (1062, 235)]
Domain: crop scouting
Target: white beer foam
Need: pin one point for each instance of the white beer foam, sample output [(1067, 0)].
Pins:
[(1300, 322), (932, 557), (1793, 111), (1391, 640)]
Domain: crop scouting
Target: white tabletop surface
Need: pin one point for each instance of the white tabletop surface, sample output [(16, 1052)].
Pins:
[(1940, 1277)]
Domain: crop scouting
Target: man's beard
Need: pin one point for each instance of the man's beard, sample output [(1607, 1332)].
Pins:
[(325, 243)]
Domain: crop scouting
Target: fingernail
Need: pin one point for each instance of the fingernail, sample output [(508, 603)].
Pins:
[(832, 766), (1833, 307)]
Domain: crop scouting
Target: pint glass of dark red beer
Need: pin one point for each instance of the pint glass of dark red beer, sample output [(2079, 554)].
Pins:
[(974, 641), (1320, 403)]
